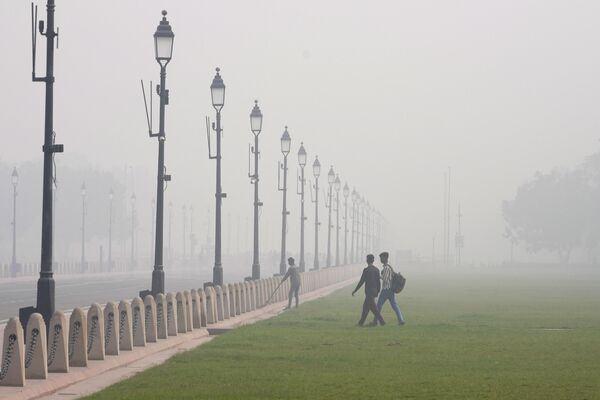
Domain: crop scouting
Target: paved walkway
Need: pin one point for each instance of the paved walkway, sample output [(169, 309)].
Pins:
[(101, 374)]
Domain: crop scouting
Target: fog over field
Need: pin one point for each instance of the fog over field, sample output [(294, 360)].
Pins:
[(396, 95)]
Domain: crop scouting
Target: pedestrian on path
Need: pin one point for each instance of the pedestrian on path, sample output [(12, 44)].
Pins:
[(371, 279), (387, 293), (294, 274)]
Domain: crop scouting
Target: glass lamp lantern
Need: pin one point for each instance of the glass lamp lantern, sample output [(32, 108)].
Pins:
[(286, 142), (163, 41), (331, 176), (256, 118), (217, 91), (302, 156), (316, 167)]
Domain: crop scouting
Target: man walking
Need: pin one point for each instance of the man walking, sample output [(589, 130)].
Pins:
[(387, 293), (370, 278), (294, 274)]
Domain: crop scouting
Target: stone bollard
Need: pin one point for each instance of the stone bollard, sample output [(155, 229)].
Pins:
[(210, 305), (125, 336), (58, 348), (181, 313), (138, 325), (219, 302), (232, 300), (95, 340), (189, 311), (161, 316), (250, 295), (12, 369), (77, 339), (36, 356), (226, 301), (150, 319), (241, 290), (196, 313), (171, 315), (202, 307), (111, 329)]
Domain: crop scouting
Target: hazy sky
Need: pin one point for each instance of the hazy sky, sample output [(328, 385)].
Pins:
[(389, 92)]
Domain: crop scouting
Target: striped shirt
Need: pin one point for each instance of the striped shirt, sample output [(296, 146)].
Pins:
[(386, 277)]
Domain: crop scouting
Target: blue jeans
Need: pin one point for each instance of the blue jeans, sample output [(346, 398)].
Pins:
[(388, 294)]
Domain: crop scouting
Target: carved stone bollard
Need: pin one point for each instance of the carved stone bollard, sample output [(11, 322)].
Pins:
[(12, 369), (138, 324), (77, 339), (125, 334), (95, 341), (241, 290), (189, 311), (36, 366), (210, 306), (150, 319), (181, 313), (171, 314), (226, 301), (196, 313), (232, 300), (249, 306), (202, 307), (58, 348), (161, 316), (111, 329), (219, 302)]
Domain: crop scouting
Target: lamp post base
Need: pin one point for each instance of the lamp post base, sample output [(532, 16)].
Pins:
[(255, 271), (218, 275), (158, 280)]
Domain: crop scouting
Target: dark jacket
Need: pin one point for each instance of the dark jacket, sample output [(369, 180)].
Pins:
[(370, 278)]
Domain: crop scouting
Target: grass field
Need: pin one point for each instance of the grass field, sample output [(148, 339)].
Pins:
[(478, 334)]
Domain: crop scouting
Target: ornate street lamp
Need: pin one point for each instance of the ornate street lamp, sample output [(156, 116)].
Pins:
[(217, 92), (286, 143), (353, 253), (316, 174), (163, 52), (256, 119), (337, 185), (111, 196), (346, 194), (83, 193), (133, 231), (331, 181), (302, 181), (13, 265)]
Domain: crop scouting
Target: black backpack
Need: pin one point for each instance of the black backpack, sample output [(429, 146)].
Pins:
[(398, 282)]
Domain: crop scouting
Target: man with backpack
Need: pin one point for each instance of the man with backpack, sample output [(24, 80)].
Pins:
[(391, 283), (370, 278)]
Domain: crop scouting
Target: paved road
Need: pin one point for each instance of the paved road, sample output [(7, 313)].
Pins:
[(82, 290)]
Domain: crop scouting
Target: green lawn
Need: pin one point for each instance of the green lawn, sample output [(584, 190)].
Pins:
[(470, 335)]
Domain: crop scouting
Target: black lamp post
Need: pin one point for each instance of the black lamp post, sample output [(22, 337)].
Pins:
[(286, 142), (184, 241), (331, 181), (110, 218), (256, 118), (316, 174), (217, 91), (133, 231), (152, 213), (346, 194), (302, 181), (170, 229), (163, 52), (83, 193), (13, 264), (337, 185)]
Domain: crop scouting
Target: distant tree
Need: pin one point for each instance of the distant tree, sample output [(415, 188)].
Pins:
[(555, 212)]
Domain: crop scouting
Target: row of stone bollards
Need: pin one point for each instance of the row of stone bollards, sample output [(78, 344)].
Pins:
[(108, 331)]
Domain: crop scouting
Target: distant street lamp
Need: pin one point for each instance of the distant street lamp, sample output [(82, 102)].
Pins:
[(256, 119), (337, 185), (83, 193), (163, 51), (13, 265), (286, 143), (316, 174), (331, 181), (353, 253), (346, 194), (217, 91), (110, 218), (302, 181), (133, 231), (184, 241)]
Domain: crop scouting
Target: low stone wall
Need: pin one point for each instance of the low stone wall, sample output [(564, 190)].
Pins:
[(112, 330)]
